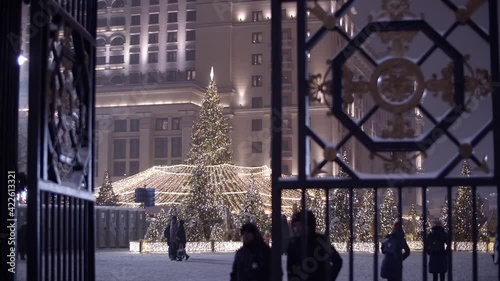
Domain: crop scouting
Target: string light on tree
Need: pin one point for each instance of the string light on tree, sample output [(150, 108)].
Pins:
[(157, 224), (252, 209), (106, 195), (388, 212), (365, 216), (339, 209)]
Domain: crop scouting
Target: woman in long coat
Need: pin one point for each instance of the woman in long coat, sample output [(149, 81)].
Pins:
[(392, 264), (436, 249)]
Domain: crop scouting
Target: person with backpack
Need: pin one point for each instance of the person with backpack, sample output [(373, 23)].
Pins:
[(395, 250), (436, 249), (319, 252)]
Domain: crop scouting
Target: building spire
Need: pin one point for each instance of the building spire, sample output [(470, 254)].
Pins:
[(212, 74)]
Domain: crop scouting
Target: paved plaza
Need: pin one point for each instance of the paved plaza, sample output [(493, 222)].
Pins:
[(121, 265)]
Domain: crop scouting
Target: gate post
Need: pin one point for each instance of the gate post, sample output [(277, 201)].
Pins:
[(10, 32)]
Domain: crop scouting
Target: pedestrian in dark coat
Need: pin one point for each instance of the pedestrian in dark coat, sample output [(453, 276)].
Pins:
[(181, 235), (320, 262), (172, 240), (252, 261), (395, 250), (436, 249)]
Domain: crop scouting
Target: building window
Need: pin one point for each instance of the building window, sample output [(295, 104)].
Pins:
[(283, 14), (287, 77), (134, 58), (286, 99), (176, 123), (134, 125), (119, 169), (256, 59), (286, 55), (134, 148), (191, 15), (171, 75), (190, 75), (135, 39), (102, 5), (116, 80), (172, 36), (172, 17), (176, 147), (116, 59), (135, 78), (257, 147), (161, 147), (102, 22), (153, 77), (135, 20), (286, 34), (118, 4), (100, 42), (285, 145), (257, 81), (152, 57), (190, 55), (159, 162), (118, 41), (136, 3), (172, 1), (190, 35), (154, 19), (161, 124), (257, 16), (119, 148), (171, 56), (100, 60), (154, 2), (120, 125), (133, 167), (257, 102), (153, 38), (120, 21), (256, 37), (256, 124)]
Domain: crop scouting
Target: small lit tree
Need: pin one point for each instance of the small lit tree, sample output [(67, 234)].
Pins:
[(253, 208), (106, 196), (365, 216), (157, 224), (443, 217), (339, 209), (317, 204)]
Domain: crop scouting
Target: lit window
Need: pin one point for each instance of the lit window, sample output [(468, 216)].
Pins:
[(190, 75), (257, 81), (161, 124), (256, 37), (256, 59), (257, 16)]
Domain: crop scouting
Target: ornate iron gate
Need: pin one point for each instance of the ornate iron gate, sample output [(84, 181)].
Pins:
[(61, 116), (459, 87)]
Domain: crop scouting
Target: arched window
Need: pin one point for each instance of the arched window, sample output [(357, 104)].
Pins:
[(116, 80), (118, 41), (100, 42), (102, 5), (118, 4)]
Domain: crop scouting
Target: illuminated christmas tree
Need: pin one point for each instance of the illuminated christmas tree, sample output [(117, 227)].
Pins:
[(253, 208), (210, 145), (210, 142), (462, 210), (365, 216), (157, 224), (339, 210), (388, 212), (316, 203), (106, 196)]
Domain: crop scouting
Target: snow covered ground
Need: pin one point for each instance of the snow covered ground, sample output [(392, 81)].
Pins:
[(121, 265)]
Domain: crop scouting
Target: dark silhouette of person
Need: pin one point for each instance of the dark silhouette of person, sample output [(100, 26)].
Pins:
[(22, 240), (321, 261), (181, 235), (436, 249), (252, 262), (393, 247), (171, 235)]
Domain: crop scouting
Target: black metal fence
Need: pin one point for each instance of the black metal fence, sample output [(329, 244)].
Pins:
[(338, 87)]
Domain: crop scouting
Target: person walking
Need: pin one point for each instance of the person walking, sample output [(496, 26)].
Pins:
[(252, 261), (395, 250), (318, 252), (181, 235), (436, 249), (171, 235)]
